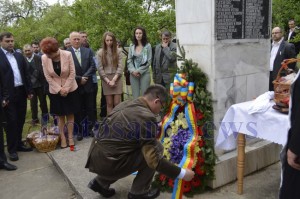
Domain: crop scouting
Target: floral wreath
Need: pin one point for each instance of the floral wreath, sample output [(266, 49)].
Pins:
[(186, 131)]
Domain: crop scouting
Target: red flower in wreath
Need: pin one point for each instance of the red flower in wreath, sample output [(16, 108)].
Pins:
[(199, 115), (201, 143), (200, 159), (186, 186), (171, 183), (200, 132), (162, 177), (199, 170), (196, 182), (199, 154)]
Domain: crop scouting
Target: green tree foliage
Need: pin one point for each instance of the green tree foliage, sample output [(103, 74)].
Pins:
[(12, 12), (283, 10), (31, 20), (122, 16)]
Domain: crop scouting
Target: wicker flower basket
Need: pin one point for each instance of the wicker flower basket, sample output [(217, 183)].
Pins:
[(31, 136), (45, 142), (282, 89)]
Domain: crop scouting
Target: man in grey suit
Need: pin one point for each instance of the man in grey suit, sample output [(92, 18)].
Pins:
[(164, 60), (85, 68), (280, 51)]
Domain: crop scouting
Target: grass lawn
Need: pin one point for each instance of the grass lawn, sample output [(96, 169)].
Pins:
[(127, 94), (28, 127)]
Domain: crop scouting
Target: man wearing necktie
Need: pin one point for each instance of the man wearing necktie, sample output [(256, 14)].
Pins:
[(84, 67)]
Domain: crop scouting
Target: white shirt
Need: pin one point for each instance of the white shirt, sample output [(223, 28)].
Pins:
[(31, 58), (290, 34), (182, 173), (76, 50), (274, 51), (14, 66)]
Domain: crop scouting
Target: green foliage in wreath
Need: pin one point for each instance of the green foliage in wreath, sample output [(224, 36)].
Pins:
[(204, 111)]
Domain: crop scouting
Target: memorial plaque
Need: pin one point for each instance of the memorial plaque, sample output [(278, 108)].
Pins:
[(242, 19)]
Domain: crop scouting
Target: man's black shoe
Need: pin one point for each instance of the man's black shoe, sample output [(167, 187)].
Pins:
[(91, 133), (24, 148), (13, 156), (7, 166), (152, 193), (95, 186), (79, 137)]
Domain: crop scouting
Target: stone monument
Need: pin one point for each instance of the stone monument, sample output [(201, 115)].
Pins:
[(230, 41)]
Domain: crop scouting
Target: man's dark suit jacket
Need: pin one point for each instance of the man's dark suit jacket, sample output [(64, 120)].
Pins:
[(36, 72), (2, 153), (296, 44), (86, 69), (7, 75), (286, 51)]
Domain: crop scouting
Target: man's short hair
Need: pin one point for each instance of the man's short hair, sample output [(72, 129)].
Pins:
[(166, 33), (66, 40), (292, 20), (35, 43), (156, 91), (27, 46), (5, 34)]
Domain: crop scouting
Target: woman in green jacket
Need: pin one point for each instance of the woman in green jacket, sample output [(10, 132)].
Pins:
[(139, 60)]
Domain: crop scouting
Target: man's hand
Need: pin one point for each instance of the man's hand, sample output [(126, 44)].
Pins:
[(293, 160), (30, 96), (83, 80), (164, 44), (5, 103), (189, 175)]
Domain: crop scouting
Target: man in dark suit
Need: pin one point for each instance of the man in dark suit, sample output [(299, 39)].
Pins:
[(36, 48), (85, 68), (15, 79), (85, 43), (37, 80), (280, 51), (3, 161), (291, 34), (290, 155)]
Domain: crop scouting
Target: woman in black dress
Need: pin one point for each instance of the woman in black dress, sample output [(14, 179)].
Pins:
[(59, 70)]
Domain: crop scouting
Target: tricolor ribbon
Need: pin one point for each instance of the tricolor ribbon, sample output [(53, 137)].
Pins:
[(189, 154), (181, 92)]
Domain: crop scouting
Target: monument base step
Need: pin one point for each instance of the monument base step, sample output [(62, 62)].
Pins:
[(257, 156)]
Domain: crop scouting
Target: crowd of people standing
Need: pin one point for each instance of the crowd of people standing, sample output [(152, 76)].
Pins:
[(68, 77)]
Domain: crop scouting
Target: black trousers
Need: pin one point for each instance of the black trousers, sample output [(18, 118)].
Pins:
[(103, 111), (95, 100), (85, 118), (41, 96), (134, 162), (15, 113), (271, 86), (290, 179), (2, 153)]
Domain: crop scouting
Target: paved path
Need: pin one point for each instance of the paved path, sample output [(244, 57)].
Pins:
[(61, 175)]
